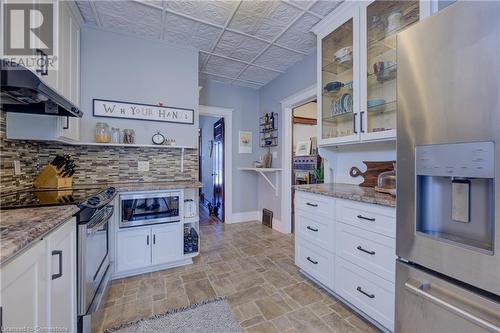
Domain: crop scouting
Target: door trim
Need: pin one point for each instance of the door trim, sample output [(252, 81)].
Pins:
[(227, 114), (302, 97)]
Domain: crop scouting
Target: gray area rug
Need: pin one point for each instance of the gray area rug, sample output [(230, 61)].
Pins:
[(211, 316)]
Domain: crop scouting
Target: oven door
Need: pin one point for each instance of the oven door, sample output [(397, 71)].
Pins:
[(150, 208), (93, 257)]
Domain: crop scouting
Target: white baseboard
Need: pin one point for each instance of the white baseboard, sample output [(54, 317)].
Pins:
[(279, 226), (244, 217)]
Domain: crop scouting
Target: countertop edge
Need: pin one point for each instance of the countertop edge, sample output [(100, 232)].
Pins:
[(352, 197)]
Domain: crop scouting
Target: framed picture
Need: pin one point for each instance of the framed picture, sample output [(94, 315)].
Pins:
[(303, 148), (245, 142), (138, 111)]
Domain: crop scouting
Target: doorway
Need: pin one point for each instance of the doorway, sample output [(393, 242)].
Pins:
[(211, 164), (305, 163)]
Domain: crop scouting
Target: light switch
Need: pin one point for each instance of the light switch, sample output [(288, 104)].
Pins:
[(143, 166), (17, 168), (275, 155)]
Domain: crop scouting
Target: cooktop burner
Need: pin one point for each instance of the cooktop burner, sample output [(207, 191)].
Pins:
[(85, 196)]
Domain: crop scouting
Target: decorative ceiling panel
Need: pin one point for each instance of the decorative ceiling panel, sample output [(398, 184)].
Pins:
[(264, 19), (299, 37), (324, 7), (183, 31), (258, 75), (134, 18), (281, 28), (216, 12), (239, 46), (225, 67), (204, 76), (278, 58)]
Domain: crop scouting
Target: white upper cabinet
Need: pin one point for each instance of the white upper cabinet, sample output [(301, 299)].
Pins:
[(65, 80), (358, 70)]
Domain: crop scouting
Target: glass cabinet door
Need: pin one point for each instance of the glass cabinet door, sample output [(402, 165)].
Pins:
[(337, 73), (384, 19)]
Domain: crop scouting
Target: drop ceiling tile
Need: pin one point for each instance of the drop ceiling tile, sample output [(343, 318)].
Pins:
[(258, 75), (247, 85), (204, 76), (278, 58), (86, 11), (239, 46), (216, 12), (225, 67), (324, 7), (299, 37), (130, 17), (301, 3), (183, 31), (264, 19)]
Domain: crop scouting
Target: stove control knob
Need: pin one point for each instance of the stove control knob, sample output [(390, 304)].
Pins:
[(93, 201), (110, 191)]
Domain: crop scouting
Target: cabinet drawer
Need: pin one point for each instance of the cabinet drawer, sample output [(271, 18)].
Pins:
[(366, 291), (316, 229), (315, 261), (314, 203), (374, 252), (370, 217)]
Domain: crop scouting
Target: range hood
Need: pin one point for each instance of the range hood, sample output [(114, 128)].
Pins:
[(23, 91)]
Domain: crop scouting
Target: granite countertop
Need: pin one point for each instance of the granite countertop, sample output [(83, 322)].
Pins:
[(350, 192), (20, 227)]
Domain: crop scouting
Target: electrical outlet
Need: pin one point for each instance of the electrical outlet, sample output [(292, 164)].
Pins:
[(17, 168), (143, 166)]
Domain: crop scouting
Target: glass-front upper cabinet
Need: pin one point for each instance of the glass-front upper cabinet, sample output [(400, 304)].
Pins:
[(339, 84), (383, 20)]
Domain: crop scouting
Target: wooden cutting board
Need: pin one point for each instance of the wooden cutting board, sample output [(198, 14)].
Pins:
[(373, 169)]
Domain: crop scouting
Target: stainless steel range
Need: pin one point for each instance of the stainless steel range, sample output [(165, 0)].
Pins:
[(448, 148), (94, 267)]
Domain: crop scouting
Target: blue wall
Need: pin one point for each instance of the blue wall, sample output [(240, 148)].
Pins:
[(245, 105)]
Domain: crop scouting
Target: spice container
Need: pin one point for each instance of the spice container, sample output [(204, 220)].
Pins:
[(102, 134), (115, 135), (128, 136)]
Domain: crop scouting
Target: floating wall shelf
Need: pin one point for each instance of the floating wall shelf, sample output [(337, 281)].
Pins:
[(263, 171)]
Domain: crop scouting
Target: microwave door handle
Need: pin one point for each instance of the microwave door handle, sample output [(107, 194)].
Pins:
[(424, 290)]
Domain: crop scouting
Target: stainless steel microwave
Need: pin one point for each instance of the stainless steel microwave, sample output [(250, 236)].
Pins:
[(137, 209)]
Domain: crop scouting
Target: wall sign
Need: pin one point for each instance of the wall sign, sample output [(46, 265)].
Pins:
[(137, 111)]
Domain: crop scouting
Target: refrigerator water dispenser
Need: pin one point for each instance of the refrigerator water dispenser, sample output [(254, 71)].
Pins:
[(455, 193)]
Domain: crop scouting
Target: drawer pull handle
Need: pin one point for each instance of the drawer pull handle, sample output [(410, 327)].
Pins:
[(311, 204), (372, 219), (312, 229), (314, 262), (365, 293), (365, 251)]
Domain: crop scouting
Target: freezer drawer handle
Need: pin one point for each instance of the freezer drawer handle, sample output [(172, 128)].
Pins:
[(364, 292), (365, 251), (314, 262), (422, 289), (311, 204), (312, 229), (58, 253), (372, 219)]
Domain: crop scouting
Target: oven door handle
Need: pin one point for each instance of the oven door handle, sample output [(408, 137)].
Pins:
[(91, 227)]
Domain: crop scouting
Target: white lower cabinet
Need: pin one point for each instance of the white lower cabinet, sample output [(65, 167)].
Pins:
[(133, 248), (38, 287), (350, 248), (167, 243), (141, 247)]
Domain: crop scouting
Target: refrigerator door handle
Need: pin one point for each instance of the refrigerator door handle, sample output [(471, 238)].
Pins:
[(422, 289)]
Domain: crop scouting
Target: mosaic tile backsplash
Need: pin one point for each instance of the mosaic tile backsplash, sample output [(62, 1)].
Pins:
[(94, 164)]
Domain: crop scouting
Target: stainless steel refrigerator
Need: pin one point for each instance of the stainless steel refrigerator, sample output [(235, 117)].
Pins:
[(448, 148)]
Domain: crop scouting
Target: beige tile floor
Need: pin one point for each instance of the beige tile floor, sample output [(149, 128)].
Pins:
[(253, 267)]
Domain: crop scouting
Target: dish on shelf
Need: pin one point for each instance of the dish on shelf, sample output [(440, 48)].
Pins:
[(393, 21), (343, 52), (385, 70), (333, 86), (375, 102), (341, 105), (348, 84)]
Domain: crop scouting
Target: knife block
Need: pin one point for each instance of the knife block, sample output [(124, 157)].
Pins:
[(49, 178)]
